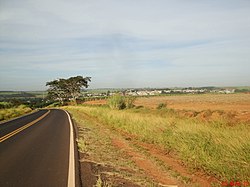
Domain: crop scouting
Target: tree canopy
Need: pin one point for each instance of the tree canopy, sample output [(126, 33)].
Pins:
[(67, 89)]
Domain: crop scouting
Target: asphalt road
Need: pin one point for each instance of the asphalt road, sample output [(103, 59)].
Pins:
[(35, 149)]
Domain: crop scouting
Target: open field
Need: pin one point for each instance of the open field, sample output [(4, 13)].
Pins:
[(176, 150), (228, 102), (22, 94), (236, 105)]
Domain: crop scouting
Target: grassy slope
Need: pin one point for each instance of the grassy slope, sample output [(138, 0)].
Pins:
[(10, 113), (218, 149), (95, 144)]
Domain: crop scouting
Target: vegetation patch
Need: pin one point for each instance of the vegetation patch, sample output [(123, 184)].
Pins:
[(102, 164), (161, 105), (120, 102), (9, 113), (219, 150)]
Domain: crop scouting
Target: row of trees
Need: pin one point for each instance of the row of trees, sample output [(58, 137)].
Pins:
[(67, 89)]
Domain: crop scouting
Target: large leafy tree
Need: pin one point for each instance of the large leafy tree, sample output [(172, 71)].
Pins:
[(56, 90), (67, 89)]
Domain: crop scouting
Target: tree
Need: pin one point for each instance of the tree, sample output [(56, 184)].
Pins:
[(56, 90), (67, 89), (74, 85)]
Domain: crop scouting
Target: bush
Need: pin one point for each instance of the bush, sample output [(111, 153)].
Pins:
[(162, 105), (129, 101), (117, 102), (120, 102)]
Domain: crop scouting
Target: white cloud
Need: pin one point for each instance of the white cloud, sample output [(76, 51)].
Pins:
[(161, 38)]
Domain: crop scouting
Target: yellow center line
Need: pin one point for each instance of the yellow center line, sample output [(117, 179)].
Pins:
[(5, 137)]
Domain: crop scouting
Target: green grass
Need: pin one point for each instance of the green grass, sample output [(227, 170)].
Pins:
[(6, 114), (218, 149)]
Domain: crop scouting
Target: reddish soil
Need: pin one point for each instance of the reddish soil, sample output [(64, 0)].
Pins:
[(156, 173), (149, 167), (177, 165), (235, 107), (145, 160)]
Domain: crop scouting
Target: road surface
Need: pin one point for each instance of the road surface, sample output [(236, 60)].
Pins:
[(37, 150)]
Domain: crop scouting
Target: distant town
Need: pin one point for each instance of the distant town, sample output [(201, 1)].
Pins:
[(157, 91), (38, 99)]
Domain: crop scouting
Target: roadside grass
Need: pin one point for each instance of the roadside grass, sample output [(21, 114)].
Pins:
[(95, 144), (9, 113), (213, 147)]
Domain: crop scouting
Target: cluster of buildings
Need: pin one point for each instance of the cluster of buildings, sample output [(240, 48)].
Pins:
[(176, 91), (152, 92)]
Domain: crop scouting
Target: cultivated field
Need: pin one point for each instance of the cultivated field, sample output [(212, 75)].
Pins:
[(236, 105), (196, 140), (228, 102)]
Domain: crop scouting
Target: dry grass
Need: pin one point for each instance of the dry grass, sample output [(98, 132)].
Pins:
[(10, 113), (226, 102), (237, 102), (214, 147), (110, 164)]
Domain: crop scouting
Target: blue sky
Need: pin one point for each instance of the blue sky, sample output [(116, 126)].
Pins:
[(125, 43)]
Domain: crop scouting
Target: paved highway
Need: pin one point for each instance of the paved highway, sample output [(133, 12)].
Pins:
[(37, 150)]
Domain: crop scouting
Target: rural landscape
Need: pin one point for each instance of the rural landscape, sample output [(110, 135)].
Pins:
[(124, 93), (178, 139)]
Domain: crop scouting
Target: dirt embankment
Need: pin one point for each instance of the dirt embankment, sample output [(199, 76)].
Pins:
[(117, 158)]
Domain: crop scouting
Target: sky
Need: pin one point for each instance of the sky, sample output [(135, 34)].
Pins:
[(125, 43)]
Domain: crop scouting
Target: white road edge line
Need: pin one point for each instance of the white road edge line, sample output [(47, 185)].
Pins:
[(71, 173)]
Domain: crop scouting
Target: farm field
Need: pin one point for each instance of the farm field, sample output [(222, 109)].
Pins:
[(228, 102), (237, 105), (21, 94), (151, 146)]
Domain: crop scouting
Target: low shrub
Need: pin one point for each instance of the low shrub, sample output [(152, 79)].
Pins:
[(129, 101), (117, 102), (161, 105)]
